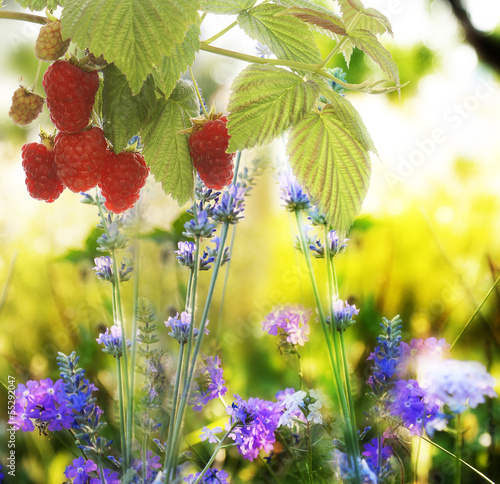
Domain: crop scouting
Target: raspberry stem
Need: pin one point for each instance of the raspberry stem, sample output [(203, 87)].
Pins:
[(198, 92), (27, 17), (33, 87)]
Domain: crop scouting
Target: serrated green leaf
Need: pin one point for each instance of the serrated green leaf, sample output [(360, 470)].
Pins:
[(349, 117), (133, 34), (228, 7), (39, 5), (182, 57), (166, 151), (355, 16), (331, 164), (264, 102), (330, 22), (287, 37), (304, 4), (369, 44), (123, 114)]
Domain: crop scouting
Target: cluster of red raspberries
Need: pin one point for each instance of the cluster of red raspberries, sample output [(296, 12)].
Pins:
[(78, 157)]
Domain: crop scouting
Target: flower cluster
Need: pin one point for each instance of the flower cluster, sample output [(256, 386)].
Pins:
[(208, 383), (252, 424), (44, 404), (180, 327), (300, 406), (104, 269), (293, 321), (335, 247)]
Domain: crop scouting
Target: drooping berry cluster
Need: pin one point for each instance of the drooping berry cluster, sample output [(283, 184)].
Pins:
[(78, 157), (208, 143)]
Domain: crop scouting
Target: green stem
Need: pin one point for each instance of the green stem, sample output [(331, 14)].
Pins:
[(212, 458), (133, 351), (221, 33), (350, 436), (300, 370), (118, 315), (171, 421), (27, 17), (475, 313), (199, 338), (123, 435), (310, 451), (458, 449), (479, 473), (340, 43), (314, 68), (198, 93)]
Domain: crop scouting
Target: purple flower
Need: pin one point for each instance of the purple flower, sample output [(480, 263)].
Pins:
[(345, 469), (212, 476), (207, 383), (109, 477), (343, 313), (112, 341), (458, 384), (421, 353), (152, 463), (253, 424), (293, 320), (180, 327), (210, 434), (410, 403), (292, 194), (80, 470), (230, 207), (42, 403), (377, 454)]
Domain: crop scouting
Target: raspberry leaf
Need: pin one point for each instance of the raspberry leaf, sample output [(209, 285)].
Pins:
[(124, 114), (355, 16), (166, 151), (331, 163), (326, 21), (265, 101), (170, 68), (227, 7), (38, 5), (133, 34), (287, 37), (368, 43)]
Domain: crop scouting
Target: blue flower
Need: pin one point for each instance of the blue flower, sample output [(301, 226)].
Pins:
[(343, 313), (292, 193), (377, 454), (80, 470), (103, 269), (113, 341), (201, 228), (180, 327), (212, 476)]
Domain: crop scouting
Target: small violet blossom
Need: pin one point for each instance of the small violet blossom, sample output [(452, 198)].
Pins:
[(210, 434), (80, 470), (112, 341), (180, 327), (207, 383), (212, 476), (252, 424), (292, 320), (292, 194), (343, 313)]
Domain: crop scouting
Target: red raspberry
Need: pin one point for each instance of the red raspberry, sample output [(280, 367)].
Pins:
[(41, 174), (208, 144), (70, 95), (122, 178), (79, 158), (26, 106), (49, 45)]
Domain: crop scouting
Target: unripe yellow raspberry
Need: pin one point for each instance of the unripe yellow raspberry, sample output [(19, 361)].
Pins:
[(49, 45)]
